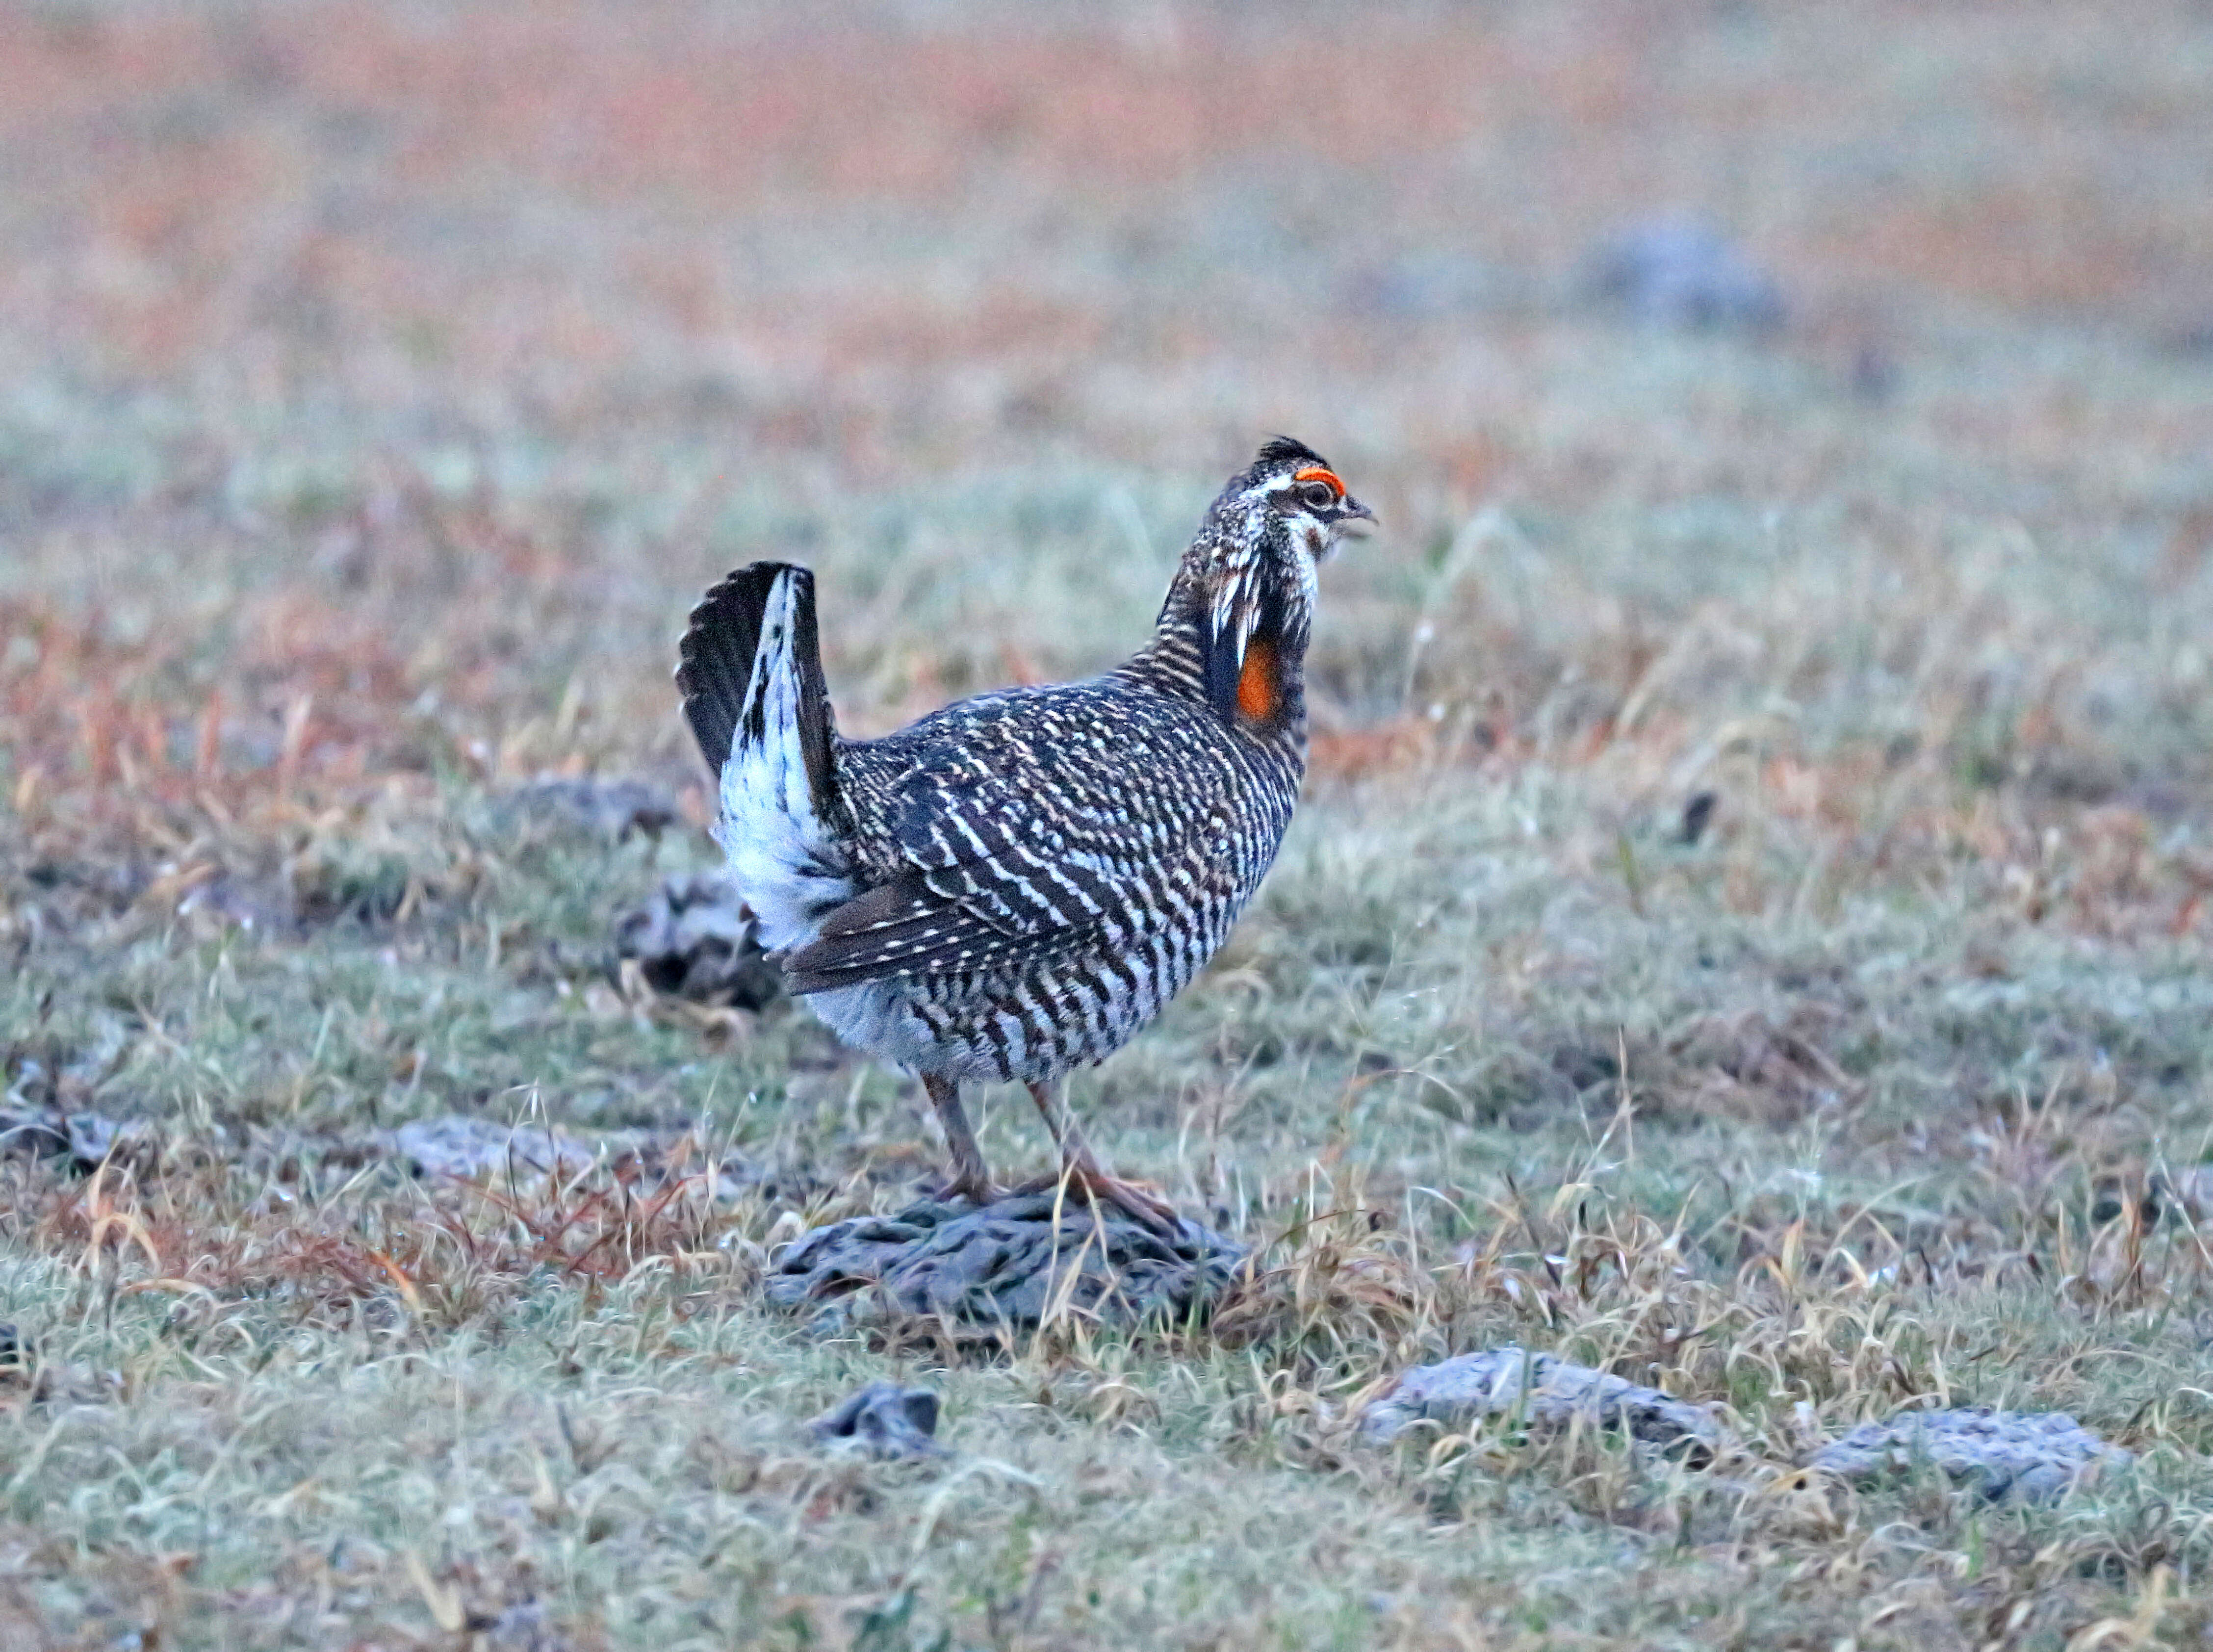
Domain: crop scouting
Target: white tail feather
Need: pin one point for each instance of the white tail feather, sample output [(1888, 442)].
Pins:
[(789, 865)]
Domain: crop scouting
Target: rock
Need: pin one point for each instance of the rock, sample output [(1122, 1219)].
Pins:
[(612, 808), (1457, 1391), (695, 939), (1001, 1263), (2031, 1456), (83, 1138), (884, 1420), (1683, 272), (470, 1148)]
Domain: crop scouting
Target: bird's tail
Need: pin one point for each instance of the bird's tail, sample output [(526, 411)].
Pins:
[(751, 680)]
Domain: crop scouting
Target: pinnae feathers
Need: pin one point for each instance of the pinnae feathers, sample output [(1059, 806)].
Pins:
[(1280, 450)]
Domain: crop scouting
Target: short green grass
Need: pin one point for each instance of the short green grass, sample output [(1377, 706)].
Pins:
[(376, 396), (1812, 1171)]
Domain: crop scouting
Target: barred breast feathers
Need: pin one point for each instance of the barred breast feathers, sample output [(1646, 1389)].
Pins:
[(1029, 826)]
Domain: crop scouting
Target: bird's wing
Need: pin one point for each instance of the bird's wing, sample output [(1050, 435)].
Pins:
[(997, 862)]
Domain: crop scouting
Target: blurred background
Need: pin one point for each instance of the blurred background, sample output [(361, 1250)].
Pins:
[(1775, 710), (1831, 384)]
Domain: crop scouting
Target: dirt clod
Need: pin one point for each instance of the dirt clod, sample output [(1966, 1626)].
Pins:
[(2031, 1456), (1003, 1263), (693, 938), (1684, 272), (611, 808), (884, 1420), (470, 1148), (1543, 1389), (83, 1138)]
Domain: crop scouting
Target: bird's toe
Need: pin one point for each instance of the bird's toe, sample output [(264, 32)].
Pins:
[(1141, 1202)]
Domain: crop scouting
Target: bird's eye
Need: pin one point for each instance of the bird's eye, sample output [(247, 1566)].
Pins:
[(1318, 496)]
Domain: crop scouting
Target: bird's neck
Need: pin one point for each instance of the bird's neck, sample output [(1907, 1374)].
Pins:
[(1260, 693)]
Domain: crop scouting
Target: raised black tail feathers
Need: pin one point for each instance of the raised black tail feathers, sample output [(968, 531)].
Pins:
[(717, 660), (716, 674)]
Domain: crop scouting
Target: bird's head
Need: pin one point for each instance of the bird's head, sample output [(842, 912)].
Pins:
[(1253, 565)]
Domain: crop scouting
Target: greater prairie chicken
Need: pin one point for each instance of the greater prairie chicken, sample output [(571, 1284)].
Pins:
[(1015, 885)]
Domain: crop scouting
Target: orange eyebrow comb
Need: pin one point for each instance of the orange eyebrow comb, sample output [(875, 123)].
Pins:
[(1316, 473)]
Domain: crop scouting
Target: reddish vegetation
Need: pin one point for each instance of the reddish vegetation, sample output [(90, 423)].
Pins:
[(451, 1252), (860, 256), (167, 147)]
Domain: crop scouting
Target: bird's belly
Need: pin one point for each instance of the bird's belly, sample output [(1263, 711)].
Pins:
[(882, 1018), (1032, 1021)]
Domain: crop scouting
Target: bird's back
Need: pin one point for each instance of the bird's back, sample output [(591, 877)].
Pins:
[(1043, 869)]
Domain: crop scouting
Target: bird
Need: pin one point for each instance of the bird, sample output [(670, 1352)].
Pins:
[(1014, 885)]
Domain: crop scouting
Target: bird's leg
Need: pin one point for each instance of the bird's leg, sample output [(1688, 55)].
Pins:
[(971, 1181), (1085, 1175)]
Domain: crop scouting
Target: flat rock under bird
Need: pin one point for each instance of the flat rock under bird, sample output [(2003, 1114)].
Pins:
[(1015, 885)]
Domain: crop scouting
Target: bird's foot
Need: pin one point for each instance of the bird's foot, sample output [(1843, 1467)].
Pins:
[(977, 1189), (1089, 1184)]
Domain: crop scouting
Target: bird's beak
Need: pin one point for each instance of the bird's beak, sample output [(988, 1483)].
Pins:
[(1356, 512)]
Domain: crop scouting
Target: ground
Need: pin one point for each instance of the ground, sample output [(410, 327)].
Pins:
[(1747, 927)]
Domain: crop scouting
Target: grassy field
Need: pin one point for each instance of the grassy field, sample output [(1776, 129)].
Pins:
[(379, 386)]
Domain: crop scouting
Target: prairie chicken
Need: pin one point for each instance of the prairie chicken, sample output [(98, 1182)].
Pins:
[(1015, 885)]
